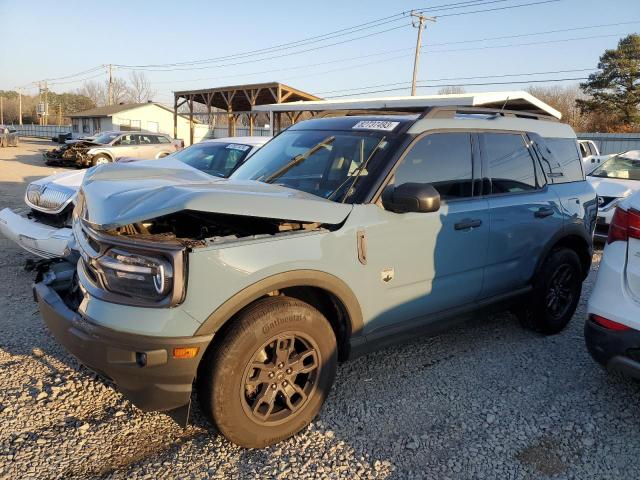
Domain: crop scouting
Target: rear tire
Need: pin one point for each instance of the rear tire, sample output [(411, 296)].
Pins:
[(556, 293), (270, 374)]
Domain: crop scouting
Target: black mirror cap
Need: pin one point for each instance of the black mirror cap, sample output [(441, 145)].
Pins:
[(411, 197)]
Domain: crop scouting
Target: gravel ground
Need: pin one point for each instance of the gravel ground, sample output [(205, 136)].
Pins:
[(486, 400)]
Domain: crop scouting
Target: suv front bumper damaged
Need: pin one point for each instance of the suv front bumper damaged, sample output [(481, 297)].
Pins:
[(142, 367)]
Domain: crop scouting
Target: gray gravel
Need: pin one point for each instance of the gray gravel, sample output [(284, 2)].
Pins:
[(486, 400)]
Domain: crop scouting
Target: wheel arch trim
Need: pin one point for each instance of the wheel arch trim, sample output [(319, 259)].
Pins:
[(568, 234), (295, 278)]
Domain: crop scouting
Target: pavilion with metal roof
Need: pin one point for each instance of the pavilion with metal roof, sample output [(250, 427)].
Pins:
[(236, 102)]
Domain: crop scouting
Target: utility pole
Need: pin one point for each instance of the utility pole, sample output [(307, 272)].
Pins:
[(110, 94), (46, 103), (1, 111), (416, 60), (20, 106)]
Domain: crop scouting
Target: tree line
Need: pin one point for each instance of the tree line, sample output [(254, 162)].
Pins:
[(92, 94)]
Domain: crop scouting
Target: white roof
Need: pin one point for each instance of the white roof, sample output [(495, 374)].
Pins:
[(515, 100), (255, 140)]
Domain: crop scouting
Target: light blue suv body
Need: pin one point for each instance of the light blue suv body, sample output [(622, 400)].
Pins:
[(387, 225)]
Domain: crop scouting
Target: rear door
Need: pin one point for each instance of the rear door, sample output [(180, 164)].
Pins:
[(149, 146), (524, 211)]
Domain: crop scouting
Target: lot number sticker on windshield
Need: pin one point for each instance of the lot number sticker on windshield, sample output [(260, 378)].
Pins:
[(237, 146), (385, 125)]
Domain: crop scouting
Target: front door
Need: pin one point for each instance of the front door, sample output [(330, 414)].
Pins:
[(419, 264), (524, 212), (126, 146)]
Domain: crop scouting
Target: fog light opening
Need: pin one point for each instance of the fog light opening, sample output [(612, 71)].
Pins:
[(141, 359)]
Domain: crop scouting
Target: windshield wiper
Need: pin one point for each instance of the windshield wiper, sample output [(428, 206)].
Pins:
[(359, 170), (298, 159)]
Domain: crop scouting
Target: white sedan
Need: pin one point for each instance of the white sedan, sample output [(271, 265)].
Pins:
[(614, 180), (46, 229), (612, 331)]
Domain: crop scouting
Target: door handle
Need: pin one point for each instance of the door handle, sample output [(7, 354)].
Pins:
[(467, 223), (543, 212)]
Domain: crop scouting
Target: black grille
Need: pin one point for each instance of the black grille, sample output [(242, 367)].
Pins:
[(58, 220)]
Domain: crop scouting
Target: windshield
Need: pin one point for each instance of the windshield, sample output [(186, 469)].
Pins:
[(619, 167), (105, 138), (324, 163), (215, 158)]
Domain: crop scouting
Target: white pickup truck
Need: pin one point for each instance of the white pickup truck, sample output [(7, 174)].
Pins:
[(591, 157)]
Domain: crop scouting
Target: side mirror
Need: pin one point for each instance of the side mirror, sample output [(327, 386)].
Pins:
[(411, 197)]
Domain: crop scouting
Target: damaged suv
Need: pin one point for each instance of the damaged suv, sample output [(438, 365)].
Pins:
[(339, 236)]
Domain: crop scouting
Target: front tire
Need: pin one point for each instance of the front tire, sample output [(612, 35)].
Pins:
[(270, 374), (557, 289), (100, 160)]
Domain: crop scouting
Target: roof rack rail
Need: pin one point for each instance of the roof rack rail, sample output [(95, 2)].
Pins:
[(439, 112), (452, 112)]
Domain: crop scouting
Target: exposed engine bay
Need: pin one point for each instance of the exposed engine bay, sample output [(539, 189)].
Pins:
[(75, 153), (199, 229)]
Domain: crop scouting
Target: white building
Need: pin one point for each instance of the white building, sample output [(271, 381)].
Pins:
[(152, 117)]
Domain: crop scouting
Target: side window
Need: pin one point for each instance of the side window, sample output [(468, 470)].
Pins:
[(442, 159), (566, 152), (146, 139), (163, 139), (127, 140), (584, 151), (510, 164), (592, 148)]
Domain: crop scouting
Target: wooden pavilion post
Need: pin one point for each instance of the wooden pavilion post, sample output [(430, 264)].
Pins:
[(190, 119), (175, 116)]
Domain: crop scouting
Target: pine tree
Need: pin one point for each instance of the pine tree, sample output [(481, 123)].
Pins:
[(615, 89)]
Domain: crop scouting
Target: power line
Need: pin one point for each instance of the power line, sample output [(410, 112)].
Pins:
[(78, 80), (498, 8), (329, 35), (546, 80), (319, 38), (446, 79), (143, 67), (542, 42), (264, 58), (387, 52)]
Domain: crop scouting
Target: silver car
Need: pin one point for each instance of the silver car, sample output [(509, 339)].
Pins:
[(8, 136), (109, 146)]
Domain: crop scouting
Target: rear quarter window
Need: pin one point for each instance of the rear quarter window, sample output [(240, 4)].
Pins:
[(566, 153)]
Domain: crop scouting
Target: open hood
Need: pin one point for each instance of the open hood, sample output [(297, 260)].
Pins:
[(121, 194)]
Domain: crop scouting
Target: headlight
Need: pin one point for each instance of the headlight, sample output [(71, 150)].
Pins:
[(127, 271), (47, 198), (145, 276)]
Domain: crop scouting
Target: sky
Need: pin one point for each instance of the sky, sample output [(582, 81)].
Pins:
[(48, 40)]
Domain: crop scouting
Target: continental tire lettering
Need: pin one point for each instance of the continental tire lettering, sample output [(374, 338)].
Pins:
[(281, 321)]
